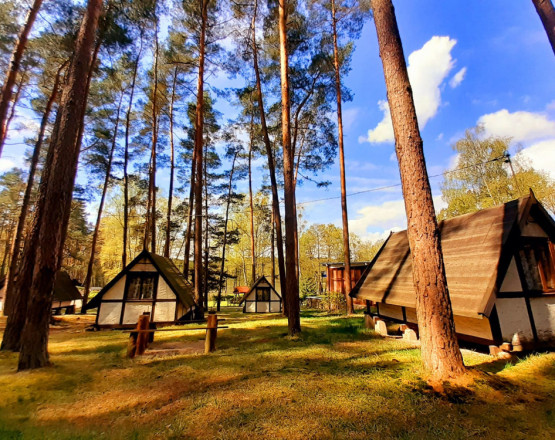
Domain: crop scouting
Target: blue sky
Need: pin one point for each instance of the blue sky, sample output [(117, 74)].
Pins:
[(469, 61)]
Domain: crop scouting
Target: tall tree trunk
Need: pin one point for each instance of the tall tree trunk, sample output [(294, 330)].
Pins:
[(271, 166), (126, 157), (273, 251), (199, 137), (50, 226), (189, 230), (346, 246), (88, 277), (16, 247), (152, 182), (546, 11), (13, 69), (12, 109), (251, 204), (293, 312), (9, 238), (172, 168), (440, 349), (228, 203), (206, 249)]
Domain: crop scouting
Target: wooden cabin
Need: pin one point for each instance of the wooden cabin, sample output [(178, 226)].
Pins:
[(335, 272), (65, 298), (500, 270), (150, 283), (262, 298)]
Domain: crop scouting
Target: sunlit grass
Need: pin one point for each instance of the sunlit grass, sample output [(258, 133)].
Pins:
[(338, 380)]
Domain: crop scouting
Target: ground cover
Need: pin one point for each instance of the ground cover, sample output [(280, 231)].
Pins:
[(338, 380)]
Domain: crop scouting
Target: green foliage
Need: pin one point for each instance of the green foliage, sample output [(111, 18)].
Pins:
[(484, 178)]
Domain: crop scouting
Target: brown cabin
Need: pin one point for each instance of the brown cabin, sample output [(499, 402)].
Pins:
[(334, 276), (500, 270)]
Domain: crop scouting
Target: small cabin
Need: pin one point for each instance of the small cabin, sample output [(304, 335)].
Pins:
[(149, 284), (335, 272), (262, 298), (65, 297), (499, 264)]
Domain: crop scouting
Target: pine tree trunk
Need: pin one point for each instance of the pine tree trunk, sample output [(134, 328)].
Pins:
[(346, 245), (88, 277), (224, 243), (292, 298), (55, 196), (440, 349), (152, 183), (126, 158), (12, 109), (172, 168), (199, 135), (251, 204), (15, 62), (273, 251), (189, 231), (16, 247), (271, 168), (546, 11), (206, 249)]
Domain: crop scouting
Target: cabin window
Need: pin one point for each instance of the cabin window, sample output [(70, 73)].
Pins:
[(538, 265), (141, 285), (263, 294)]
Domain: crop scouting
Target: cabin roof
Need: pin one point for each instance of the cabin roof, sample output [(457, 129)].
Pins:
[(256, 283), (342, 265), (477, 249), (64, 288), (166, 268), (241, 289)]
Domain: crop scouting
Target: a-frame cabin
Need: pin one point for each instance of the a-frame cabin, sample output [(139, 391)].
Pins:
[(150, 283), (262, 298), (500, 270)]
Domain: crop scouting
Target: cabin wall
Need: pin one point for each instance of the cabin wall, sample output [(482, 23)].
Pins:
[(513, 318), (511, 282), (117, 290), (252, 306), (135, 309), (109, 313), (532, 229), (543, 310), (464, 326)]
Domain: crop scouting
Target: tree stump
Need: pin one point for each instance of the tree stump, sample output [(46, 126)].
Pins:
[(142, 338), (211, 333)]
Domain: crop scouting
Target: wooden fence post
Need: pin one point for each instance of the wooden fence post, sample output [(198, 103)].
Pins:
[(211, 333), (142, 338)]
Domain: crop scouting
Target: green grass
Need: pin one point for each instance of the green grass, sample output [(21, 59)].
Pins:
[(337, 380)]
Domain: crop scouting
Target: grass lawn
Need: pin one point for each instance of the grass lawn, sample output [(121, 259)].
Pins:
[(337, 380)]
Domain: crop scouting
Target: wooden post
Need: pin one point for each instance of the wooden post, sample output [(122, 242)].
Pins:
[(211, 333), (142, 338), (132, 345)]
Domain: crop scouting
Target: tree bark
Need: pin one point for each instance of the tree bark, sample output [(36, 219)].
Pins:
[(55, 196), (440, 349), (346, 245), (251, 204), (206, 249), (271, 167), (199, 136), (222, 267), (13, 69), (16, 247), (126, 158), (293, 312), (546, 11), (189, 231), (172, 168), (88, 277)]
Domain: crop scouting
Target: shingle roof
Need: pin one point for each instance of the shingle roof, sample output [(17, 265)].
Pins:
[(475, 253), (167, 269)]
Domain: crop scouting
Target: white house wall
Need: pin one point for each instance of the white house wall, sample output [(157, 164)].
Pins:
[(511, 283), (250, 307), (109, 313), (164, 291), (275, 307), (164, 312), (543, 310), (262, 307), (143, 266), (513, 318), (117, 290), (274, 296), (133, 310)]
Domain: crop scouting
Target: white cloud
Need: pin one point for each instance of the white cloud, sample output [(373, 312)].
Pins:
[(374, 222), (521, 126), (541, 156), (427, 68), (6, 164), (457, 78)]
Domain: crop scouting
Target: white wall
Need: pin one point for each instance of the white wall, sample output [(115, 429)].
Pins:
[(117, 290), (164, 291), (164, 312), (511, 283), (513, 318), (133, 310), (543, 309), (109, 313)]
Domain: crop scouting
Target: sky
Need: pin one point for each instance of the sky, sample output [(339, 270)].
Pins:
[(470, 62)]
